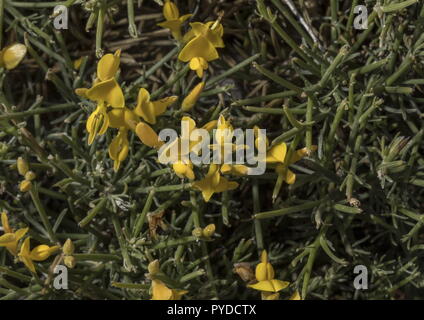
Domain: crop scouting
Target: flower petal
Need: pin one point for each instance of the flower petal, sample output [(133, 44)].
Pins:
[(108, 91), (161, 105), (147, 135), (108, 66), (161, 291), (198, 47), (5, 223)]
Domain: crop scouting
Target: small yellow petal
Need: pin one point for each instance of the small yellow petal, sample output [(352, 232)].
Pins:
[(170, 11), (290, 177), (5, 223), (147, 135), (191, 99), (6, 239), (161, 105), (160, 291), (278, 152), (295, 296), (107, 66)]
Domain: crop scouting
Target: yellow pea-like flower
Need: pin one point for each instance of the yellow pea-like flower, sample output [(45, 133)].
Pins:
[(106, 89), (202, 41), (10, 239), (265, 274), (277, 156), (173, 20), (214, 183), (149, 110), (39, 253), (12, 55), (191, 99), (161, 292), (119, 148)]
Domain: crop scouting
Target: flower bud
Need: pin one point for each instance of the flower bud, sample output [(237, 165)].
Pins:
[(193, 96), (68, 247), (197, 232), (25, 186), (23, 166), (69, 261), (209, 230), (153, 267), (30, 175)]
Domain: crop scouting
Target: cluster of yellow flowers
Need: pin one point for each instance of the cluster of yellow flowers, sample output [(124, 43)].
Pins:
[(200, 45), (10, 240)]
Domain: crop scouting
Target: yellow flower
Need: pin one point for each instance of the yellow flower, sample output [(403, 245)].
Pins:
[(161, 292), (214, 183), (106, 88), (119, 147), (149, 110), (203, 40), (39, 253), (147, 135), (10, 239), (192, 97), (277, 155), (12, 55), (264, 274), (173, 20)]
